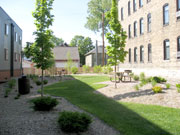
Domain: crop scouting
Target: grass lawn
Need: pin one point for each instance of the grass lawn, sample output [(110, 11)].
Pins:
[(127, 118)]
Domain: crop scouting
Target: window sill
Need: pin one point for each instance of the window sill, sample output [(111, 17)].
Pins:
[(167, 60), (142, 34), (142, 62), (164, 25)]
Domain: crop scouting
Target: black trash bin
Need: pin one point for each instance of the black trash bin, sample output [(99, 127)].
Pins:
[(24, 85)]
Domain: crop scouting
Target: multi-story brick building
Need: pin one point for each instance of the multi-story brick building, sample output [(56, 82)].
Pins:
[(10, 47), (153, 29)]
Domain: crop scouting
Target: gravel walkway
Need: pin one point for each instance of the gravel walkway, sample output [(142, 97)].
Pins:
[(18, 118), (126, 92)]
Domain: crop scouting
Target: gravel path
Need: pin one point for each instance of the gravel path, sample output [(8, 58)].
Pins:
[(125, 92), (18, 118)]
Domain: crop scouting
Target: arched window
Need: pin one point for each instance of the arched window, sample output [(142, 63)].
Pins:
[(166, 14), (129, 8), (122, 14), (140, 3), (141, 26), (149, 53), (149, 22), (135, 54), (134, 5), (178, 47), (141, 53), (129, 55), (166, 49), (129, 31), (135, 29)]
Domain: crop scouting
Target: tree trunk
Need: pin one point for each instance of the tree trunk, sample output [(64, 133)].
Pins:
[(115, 76), (103, 39), (42, 83)]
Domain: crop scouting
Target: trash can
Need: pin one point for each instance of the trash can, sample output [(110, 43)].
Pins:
[(23, 85)]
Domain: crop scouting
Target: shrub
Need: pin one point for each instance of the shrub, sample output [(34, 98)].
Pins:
[(178, 87), (107, 69), (17, 97), (142, 76), (157, 89), (136, 87), (168, 86), (149, 79), (38, 82), (97, 69), (44, 103), (158, 79), (153, 83), (74, 70), (7, 91), (12, 83), (136, 77), (45, 82), (86, 69), (74, 122), (131, 75)]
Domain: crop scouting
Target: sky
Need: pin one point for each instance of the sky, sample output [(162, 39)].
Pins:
[(69, 20)]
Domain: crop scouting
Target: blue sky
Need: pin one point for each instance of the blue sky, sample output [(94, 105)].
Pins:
[(70, 17)]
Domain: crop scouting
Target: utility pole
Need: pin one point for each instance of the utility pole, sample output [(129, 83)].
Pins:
[(103, 39)]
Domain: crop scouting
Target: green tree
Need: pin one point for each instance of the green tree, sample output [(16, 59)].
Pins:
[(57, 41), (116, 37), (70, 63), (96, 20), (27, 50), (41, 50), (84, 45)]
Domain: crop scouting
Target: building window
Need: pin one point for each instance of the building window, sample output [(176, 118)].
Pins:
[(178, 47), (129, 31), (129, 55), (5, 54), (135, 54), (178, 5), (141, 54), (166, 50), (134, 5), (135, 29), (6, 29), (16, 56), (122, 14), (149, 53), (149, 22), (16, 37), (148, 1), (140, 3), (166, 14), (141, 26), (129, 8), (20, 40)]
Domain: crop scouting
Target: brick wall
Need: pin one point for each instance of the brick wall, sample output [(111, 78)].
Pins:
[(5, 74)]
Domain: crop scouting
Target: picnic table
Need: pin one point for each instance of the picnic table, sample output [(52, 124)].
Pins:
[(122, 75)]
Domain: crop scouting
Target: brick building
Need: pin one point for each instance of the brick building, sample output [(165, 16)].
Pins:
[(153, 29), (10, 47)]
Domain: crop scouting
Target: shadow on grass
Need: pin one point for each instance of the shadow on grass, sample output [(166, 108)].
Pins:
[(126, 121)]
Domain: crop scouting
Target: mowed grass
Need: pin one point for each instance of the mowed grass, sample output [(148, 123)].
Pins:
[(127, 118)]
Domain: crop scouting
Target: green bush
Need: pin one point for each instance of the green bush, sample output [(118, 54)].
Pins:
[(12, 83), (136, 77), (149, 79), (97, 69), (86, 69), (153, 83), (157, 89), (7, 91), (168, 86), (158, 79), (136, 87), (17, 97), (74, 122), (178, 87), (38, 82), (74, 70), (45, 82), (142, 76), (131, 75), (44, 103), (107, 69)]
